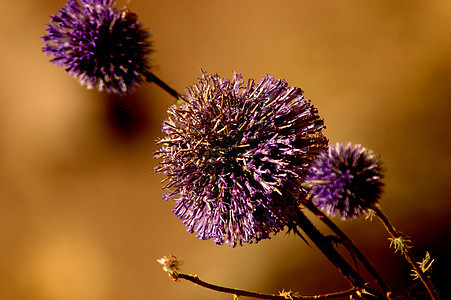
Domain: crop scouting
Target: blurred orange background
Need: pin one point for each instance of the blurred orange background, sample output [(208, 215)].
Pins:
[(81, 212)]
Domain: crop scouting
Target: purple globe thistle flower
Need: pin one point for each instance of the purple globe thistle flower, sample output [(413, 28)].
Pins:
[(235, 156), (346, 180), (99, 45)]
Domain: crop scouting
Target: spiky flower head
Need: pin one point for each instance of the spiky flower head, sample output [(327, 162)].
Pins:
[(235, 156), (346, 180), (98, 44)]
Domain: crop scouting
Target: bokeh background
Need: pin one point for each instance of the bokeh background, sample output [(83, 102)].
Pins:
[(81, 214)]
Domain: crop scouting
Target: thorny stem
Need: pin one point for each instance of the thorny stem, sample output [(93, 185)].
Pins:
[(326, 247), (195, 279), (353, 248), (150, 77), (395, 234)]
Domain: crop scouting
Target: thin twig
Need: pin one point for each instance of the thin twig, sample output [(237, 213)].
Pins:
[(150, 77), (195, 279), (395, 234), (349, 243)]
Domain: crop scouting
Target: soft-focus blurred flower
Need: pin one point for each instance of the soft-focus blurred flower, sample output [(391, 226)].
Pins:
[(98, 44), (235, 156), (346, 180)]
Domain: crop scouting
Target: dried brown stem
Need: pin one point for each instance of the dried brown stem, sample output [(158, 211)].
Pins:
[(195, 279)]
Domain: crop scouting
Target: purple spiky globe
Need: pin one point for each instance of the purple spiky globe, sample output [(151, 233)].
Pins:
[(98, 44), (235, 155), (345, 180)]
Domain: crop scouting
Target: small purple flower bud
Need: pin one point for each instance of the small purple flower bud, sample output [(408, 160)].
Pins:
[(346, 180)]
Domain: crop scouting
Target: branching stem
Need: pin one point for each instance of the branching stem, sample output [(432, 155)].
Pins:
[(349, 243), (326, 247)]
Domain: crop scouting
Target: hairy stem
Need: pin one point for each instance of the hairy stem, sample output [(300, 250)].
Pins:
[(150, 77), (351, 247), (395, 234), (195, 279)]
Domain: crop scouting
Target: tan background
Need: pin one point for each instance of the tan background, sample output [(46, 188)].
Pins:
[(81, 214)]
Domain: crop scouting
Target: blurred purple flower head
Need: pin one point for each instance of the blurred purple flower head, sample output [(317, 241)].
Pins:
[(98, 44), (346, 180), (236, 155)]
